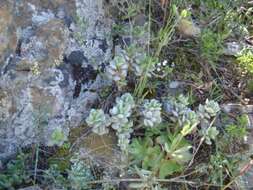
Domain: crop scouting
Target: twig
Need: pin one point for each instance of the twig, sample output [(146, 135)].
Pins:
[(231, 91), (201, 142), (172, 180), (242, 172)]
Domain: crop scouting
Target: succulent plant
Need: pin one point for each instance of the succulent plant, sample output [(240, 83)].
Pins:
[(138, 61), (123, 140), (120, 114), (210, 109), (152, 112), (140, 65), (122, 110), (79, 174), (177, 108), (117, 70), (127, 99), (126, 128), (58, 137), (209, 134), (99, 121), (124, 133), (190, 118), (184, 100)]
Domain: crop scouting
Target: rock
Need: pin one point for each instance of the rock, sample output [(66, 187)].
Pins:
[(90, 30), (6, 105), (233, 48), (47, 45), (8, 38), (45, 73), (175, 84), (77, 58)]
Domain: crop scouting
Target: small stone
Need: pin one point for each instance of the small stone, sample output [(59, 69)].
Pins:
[(174, 84), (233, 48)]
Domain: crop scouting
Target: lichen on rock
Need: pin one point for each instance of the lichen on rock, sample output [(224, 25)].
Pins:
[(42, 92)]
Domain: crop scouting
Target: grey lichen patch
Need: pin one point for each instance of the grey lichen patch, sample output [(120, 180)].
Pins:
[(91, 31), (8, 39), (38, 86), (5, 105)]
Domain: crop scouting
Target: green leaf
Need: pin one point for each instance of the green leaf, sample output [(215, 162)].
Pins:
[(243, 120), (176, 142), (184, 13), (169, 167), (152, 158), (139, 147), (182, 155)]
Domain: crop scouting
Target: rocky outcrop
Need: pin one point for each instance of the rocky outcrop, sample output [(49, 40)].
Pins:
[(49, 53)]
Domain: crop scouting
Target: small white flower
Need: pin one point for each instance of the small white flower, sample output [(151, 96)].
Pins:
[(165, 62)]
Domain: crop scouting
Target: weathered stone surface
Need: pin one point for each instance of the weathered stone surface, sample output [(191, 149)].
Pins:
[(8, 38), (44, 80)]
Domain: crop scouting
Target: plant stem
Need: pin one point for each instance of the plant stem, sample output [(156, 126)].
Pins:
[(36, 164)]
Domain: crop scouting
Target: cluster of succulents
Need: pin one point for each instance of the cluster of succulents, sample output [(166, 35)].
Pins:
[(139, 64), (209, 134), (122, 110), (123, 135), (179, 111), (207, 111), (99, 121), (177, 108), (190, 117), (119, 120), (120, 114), (79, 173), (117, 69), (152, 112)]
